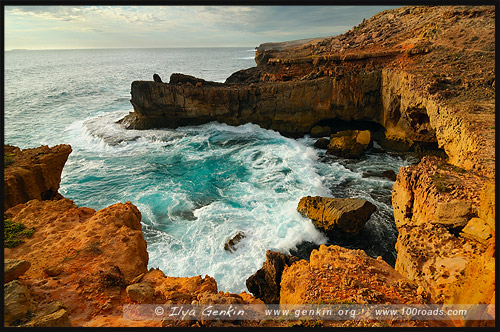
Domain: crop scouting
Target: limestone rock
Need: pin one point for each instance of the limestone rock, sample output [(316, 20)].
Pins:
[(454, 214), (322, 143), (477, 229), (487, 204), (33, 173), (435, 259), (265, 283), (13, 268), (230, 244), (339, 275), (320, 131), (18, 302), (59, 318), (141, 293), (349, 143), (336, 216)]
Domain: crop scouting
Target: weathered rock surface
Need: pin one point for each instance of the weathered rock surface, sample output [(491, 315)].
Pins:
[(32, 173), (349, 143), (13, 268), (18, 302), (337, 217), (59, 318), (141, 293), (265, 283), (338, 275), (442, 244)]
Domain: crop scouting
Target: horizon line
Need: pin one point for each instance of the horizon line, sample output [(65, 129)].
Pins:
[(121, 48)]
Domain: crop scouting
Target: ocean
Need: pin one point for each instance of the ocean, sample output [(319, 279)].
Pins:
[(197, 186)]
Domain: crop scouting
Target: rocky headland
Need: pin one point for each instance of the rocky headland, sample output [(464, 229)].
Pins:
[(425, 75)]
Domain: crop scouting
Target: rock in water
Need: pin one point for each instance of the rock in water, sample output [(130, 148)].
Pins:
[(13, 268), (337, 217), (157, 78), (321, 143), (265, 283), (230, 244), (349, 143), (389, 174)]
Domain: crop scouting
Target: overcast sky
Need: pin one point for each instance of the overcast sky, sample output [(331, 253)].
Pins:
[(67, 27)]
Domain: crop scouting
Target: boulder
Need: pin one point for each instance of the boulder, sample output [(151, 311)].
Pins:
[(349, 143), (157, 78), (18, 302), (337, 217), (320, 131), (141, 293), (57, 318), (265, 283), (230, 244), (322, 143), (13, 268)]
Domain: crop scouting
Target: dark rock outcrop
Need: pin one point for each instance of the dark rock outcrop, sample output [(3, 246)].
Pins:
[(157, 78), (230, 244), (293, 109), (33, 173), (18, 302), (265, 283), (322, 143), (337, 217)]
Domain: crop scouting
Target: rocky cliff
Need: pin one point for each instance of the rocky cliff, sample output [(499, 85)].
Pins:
[(32, 173)]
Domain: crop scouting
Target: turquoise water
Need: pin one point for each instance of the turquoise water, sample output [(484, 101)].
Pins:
[(196, 187)]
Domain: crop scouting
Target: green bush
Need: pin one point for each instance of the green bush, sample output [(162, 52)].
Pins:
[(14, 231)]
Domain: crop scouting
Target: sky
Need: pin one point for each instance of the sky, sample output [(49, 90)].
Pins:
[(75, 27)]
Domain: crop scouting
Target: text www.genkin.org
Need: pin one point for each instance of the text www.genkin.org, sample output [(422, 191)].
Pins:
[(311, 311)]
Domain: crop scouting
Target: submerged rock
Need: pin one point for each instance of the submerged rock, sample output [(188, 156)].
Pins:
[(230, 244), (349, 143), (337, 217), (265, 283)]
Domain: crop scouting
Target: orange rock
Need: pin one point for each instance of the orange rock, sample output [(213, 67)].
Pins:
[(33, 173), (338, 275)]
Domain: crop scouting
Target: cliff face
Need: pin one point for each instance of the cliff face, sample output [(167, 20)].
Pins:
[(292, 109), (32, 173)]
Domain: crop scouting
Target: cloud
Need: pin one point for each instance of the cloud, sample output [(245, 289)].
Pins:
[(180, 25)]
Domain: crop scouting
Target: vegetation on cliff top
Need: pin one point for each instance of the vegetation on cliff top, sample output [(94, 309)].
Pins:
[(14, 231)]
